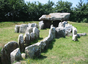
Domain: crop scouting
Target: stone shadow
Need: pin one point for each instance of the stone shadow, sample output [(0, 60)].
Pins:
[(50, 46), (36, 40)]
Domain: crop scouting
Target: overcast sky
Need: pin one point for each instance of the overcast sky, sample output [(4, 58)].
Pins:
[(45, 1)]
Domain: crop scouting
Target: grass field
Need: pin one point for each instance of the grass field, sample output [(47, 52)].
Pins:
[(60, 51)]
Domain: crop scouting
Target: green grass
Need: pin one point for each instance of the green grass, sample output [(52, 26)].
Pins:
[(60, 51)]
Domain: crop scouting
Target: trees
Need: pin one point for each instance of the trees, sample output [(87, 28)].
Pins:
[(63, 6), (81, 13), (17, 10)]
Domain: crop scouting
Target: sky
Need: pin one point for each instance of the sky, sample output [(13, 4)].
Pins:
[(75, 2)]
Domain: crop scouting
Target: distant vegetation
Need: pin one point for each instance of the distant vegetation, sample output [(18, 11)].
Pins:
[(18, 10)]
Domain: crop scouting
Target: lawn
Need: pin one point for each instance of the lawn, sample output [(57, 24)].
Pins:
[(60, 51)]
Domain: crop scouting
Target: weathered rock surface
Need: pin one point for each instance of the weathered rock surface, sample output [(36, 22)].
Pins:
[(29, 30), (23, 55), (27, 38), (41, 25), (53, 31), (81, 34), (21, 42), (74, 31), (5, 52), (68, 29), (17, 27), (60, 32), (32, 36), (33, 25), (55, 16), (36, 32), (15, 55), (33, 50), (62, 24), (74, 38), (23, 28)]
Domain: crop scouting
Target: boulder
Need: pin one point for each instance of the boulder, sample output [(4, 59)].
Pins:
[(36, 32), (62, 24), (60, 32), (55, 16), (68, 29), (33, 50), (42, 45), (17, 27), (29, 30), (33, 25), (21, 42), (41, 25), (15, 55), (32, 36), (23, 28), (5, 52), (81, 34), (27, 39)]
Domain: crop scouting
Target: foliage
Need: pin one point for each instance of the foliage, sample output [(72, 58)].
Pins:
[(63, 6), (18, 10)]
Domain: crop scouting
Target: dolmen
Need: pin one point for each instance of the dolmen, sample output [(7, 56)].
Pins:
[(53, 18)]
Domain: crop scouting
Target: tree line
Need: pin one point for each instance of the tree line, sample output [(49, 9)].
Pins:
[(18, 10)]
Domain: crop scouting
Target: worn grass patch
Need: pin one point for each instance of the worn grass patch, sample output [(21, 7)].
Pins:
[(60, 51)]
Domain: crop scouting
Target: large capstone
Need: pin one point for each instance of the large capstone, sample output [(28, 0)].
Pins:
[(55, 16)]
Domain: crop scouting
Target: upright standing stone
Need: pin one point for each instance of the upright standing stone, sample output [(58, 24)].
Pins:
[(41, 25), (5, 52), (17, 27), (27, 38), (29, 29), (21, 42), (53, 31), (23, 28), (36, 32), (15, 55), (32, 36), (74, 37)]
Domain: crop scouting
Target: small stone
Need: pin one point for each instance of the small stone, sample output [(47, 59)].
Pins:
[(23, 55)]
